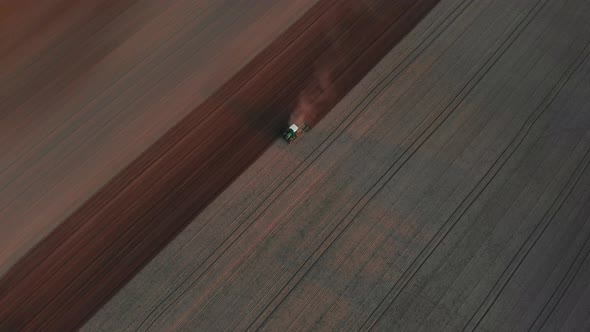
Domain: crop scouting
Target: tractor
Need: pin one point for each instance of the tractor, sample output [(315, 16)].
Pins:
[(291, 133)]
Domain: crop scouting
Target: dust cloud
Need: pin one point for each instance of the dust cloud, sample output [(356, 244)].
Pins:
[(315, 100)]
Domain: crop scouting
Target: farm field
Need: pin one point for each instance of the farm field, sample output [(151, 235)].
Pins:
[(444, 184)]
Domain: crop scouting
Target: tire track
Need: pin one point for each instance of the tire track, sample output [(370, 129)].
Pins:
[(563, 196), (562, 288), (342, 230), (229, 246), (567, 75), (419, 261), (277, 305), (385, 214)]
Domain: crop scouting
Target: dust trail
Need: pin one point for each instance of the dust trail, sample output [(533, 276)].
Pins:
[(314, 100)]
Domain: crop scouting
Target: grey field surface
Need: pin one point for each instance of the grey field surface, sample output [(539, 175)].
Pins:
[(450, 190)]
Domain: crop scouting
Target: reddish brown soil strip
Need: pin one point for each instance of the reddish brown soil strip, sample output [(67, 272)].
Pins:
[(95, 251)]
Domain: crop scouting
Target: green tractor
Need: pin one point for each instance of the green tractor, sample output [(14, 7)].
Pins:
[(291, 133)]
